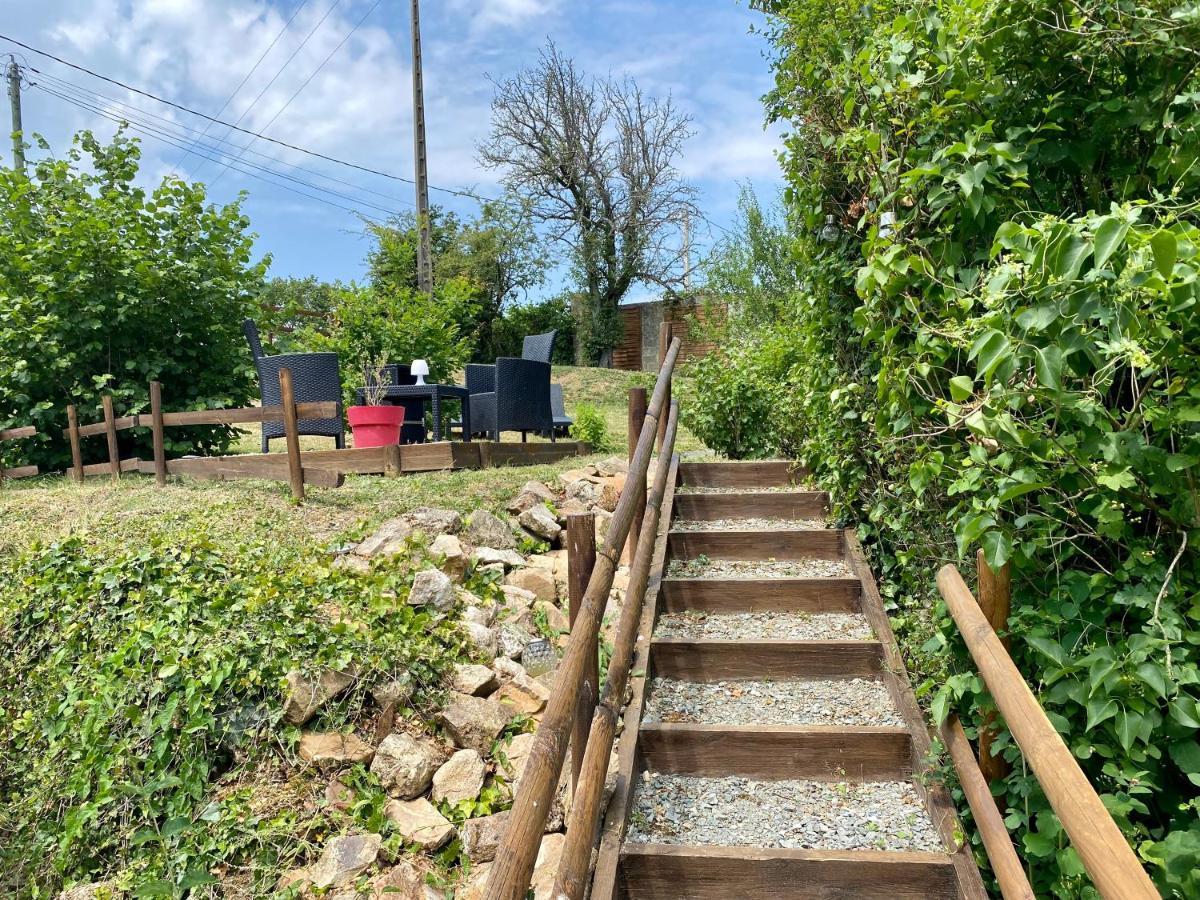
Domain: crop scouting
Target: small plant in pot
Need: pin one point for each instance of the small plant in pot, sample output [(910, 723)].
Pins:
[(375, 425)]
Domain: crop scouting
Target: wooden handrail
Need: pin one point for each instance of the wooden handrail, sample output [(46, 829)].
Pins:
[(511, 873), (1106, 855)]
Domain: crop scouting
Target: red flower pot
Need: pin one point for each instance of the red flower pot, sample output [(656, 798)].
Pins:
[(376, 426)]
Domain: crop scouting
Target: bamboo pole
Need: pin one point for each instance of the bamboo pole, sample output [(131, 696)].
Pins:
[(156, 428), (581, 559), (1006, 865), (510, 875), (110, 431), (1106, 855), (584, 820), (291, 430), (995, 600), (76, 450), (637, 415)]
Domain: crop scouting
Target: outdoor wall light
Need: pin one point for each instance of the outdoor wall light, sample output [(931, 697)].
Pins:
[(420, 368)]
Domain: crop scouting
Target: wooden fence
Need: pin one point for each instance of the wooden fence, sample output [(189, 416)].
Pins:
[(16, 434)]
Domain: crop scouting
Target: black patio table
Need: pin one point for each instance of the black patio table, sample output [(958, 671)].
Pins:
[(435, 394)]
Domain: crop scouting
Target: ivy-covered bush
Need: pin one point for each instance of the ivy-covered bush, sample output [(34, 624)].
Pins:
[(993, 229), (105, 286)]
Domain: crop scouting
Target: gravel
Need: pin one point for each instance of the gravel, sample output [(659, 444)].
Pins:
[(857, 701), (767, 626), (877, 815), (749, 524), (702, 567)]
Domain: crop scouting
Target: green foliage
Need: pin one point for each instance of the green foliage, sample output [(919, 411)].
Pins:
[(138, 683), (536, 318), (590, 426), (288, 305), (106, 286)]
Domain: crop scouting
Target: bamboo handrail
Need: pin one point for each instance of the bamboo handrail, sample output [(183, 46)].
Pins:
[(511, 873), (1106, 855), (584, 820)]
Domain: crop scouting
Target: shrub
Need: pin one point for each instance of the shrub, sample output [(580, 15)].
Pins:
[(536, 318), (589, 426)]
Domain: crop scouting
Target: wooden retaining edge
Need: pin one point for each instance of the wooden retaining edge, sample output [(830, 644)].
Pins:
[(218, 468), (711, 660), (16, 434), (657, 871), (769, 473), (840, 595), (777, 752), (762, 504), (783, 544), (937, 799), (19, 472), (132, 464)]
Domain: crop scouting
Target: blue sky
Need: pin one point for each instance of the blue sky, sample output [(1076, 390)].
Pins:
[(358, 105)]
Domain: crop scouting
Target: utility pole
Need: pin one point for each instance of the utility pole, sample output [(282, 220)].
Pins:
[(424, 248), (14, 100), (687, 251)]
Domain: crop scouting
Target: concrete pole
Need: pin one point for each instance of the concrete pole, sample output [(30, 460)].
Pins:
[(424, 247), (14, 100)]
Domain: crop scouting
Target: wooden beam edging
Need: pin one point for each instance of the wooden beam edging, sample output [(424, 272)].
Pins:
[(1106, 855), (584, 819), (997, 843), (511, 873), (895, 677), (16, 434)]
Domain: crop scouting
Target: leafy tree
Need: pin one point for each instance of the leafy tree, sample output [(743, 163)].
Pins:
[(537, 318), (289, 304), (105, 286)]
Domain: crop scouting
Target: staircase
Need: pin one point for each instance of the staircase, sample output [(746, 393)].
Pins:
[(773, 747)]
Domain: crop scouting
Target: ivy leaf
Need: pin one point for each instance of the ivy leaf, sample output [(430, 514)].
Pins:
[(961, 387), (1099, 709), (997, 547), (989, 350), (1128, 724), (1165, 248), (1048, 363), (1109, 236), (1048, 648)]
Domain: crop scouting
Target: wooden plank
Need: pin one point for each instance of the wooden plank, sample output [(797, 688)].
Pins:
[(323, 410), (466, 455), (824, 543), (771, 473), (721, 660), (761, 594), (122, 423), (132, 464), (762, 504), (18, 472), (515, 454), (777, 752), (229, 468), (16, 434), (661, 872), (426, 457)]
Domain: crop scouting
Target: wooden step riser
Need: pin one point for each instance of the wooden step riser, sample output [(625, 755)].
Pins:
[(740, 475), (758, 545), (777, 752), (811, 595), (731, 660), (660, 872), (767, 505)]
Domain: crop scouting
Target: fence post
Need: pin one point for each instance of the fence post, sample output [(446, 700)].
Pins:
[(291, 431), (664, 342), (110, 431), (637, 417), (581, 558), (995, 601), (156, 428), (76, 450)]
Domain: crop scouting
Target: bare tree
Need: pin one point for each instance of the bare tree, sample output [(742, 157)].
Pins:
[(596, 160)]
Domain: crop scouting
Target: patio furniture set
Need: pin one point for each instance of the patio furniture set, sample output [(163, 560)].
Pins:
[(512, 394)]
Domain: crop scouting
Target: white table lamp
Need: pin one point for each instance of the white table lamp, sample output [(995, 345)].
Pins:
[(420, 368)]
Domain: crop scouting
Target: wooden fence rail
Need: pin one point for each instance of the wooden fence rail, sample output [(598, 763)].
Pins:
[(17, 434), (510, 875), (1106, 855)]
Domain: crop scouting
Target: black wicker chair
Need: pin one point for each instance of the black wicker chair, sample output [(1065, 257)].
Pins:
[(315, 379), (481, 377), (562, 422), (521, 401), (413, 431), (539, 346)]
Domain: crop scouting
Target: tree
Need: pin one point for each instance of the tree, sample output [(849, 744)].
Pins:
[(288, 304), (595, 160)]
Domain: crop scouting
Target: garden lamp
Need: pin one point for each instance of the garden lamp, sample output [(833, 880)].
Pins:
[(420, 368)]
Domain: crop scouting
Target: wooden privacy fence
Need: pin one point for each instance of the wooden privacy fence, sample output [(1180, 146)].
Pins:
[(1106, 855), (16, 434), (575, 683)]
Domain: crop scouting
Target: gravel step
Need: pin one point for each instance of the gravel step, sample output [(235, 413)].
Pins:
[(768, 489), (876, 815), (748, 524), (856, 701), (767, 626), (703, 567)]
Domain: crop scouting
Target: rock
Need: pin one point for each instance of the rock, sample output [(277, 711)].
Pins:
[(474, 723), (476, 885), (449, 550), (388, 539), (507, 669), (333, 751), (459, 778), (353, 563), (432, 588), (100, 890), (610, 496), (404, 765), (511, 640), (480, 615), (396, 691), (490, 569), (541, 561), (481, 836), (306, 696), (490, 556), (516, 753), (533, 493), (517, 599), (545, 869), (525, 698), (434, 521), (338, 796), (420, 822), (488, 530), (538, 582), (403, 881), (344, 859), (482, 638), (614, 465), (541, 522), (583, 490), (571, 507), (473, 679), (603, 520), (555, 617), (571, 476)]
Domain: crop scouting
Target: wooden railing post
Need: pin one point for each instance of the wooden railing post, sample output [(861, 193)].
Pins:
[(995, 600), (156, 428), (291, 431), (664, 341), (110, 431), (76, 450), (581, 559), (637, 415)]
